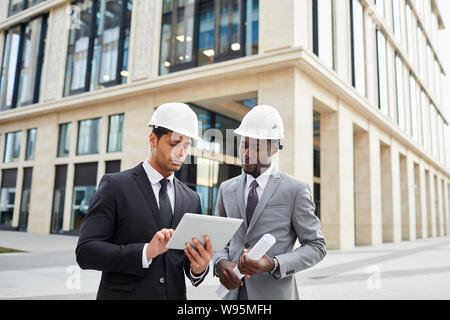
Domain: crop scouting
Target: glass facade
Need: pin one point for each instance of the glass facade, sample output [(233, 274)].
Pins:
[(205, 176), (59, 195), (217, 132), (401, 120), (31, 144), (88, 136), (414, 110), (397, 18), (425, 120), (381, 7), (7, 196), (12, 147), (84, 187), (115, 133), (323, 42), (64, 139), (16, 6), (201, 32), (22, 64), (98, 47), (25, 199), (358, 46), (383, 93)]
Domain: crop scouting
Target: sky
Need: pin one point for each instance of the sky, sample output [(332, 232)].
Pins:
[(444, 43)]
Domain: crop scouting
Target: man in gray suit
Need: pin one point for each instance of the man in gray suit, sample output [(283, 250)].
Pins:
[(269, 201)]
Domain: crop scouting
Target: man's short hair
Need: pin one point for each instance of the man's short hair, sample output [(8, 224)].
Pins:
[(160, 131)]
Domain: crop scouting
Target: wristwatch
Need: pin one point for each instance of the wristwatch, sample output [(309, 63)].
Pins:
[(276, 270)]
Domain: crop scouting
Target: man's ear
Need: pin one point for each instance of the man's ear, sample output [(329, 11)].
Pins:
[(153, 140)]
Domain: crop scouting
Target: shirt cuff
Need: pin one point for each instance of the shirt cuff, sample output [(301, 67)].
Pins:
[(197, 277), (145, 262)]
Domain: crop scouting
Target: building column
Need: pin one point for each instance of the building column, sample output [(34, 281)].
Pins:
[(444, 198), (295, 104), (42, 183), (432, 205), (144, 44), (55, 53), (447, 205), (408, 195), (368, 224), (68, 196), (336, 178), (420, 205), (390, 193), (439, 207)]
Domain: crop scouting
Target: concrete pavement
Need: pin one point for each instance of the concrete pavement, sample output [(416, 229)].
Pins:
[(407, 270)]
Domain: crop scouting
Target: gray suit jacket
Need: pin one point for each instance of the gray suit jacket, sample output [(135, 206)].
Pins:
[(285, 210)]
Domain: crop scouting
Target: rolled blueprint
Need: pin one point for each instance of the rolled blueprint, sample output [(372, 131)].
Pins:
[(257, 252)]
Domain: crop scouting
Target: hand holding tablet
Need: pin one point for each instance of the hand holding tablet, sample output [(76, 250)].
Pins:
[(220, 230)]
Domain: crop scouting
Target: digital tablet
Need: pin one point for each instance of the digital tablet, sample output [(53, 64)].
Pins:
[(219, 229)]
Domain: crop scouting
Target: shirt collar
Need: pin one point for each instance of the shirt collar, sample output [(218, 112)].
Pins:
[(262, 179), (153, 175)]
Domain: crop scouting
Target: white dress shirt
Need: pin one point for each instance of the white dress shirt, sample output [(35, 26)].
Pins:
[(154, 177), (262, 180)]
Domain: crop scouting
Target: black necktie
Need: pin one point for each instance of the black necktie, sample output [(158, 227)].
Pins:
[(165, 208), (252, 201)]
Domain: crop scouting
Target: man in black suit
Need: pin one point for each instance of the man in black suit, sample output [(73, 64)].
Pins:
[(133, 214)]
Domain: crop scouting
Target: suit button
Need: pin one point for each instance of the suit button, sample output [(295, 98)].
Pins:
[(162, 280), (246, 246)]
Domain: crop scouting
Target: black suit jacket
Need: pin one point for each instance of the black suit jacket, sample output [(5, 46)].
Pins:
[(122, 217)]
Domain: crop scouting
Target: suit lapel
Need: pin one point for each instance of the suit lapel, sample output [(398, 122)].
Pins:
[(271, 186), (147, 191), (178, 208), (240, 198)]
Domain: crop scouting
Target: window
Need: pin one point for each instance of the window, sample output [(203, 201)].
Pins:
[(400, 92), (112, 166), (84, 187), (64, 139), (7, 196), (97, 54), (201, 32), (115, 133), (31, 144), (440, 133), (323, 30), (397, 19), (16, 6), (437, 82), (357, 46), (213, 140), (430, 68), (383, 99), (414, 109), (59, 194), (12, 147), (410, 33), (25, 199), (205, 176), (380, 6), (433, 129), (421, 52), (88, 135), (20, 80), (425, 120)]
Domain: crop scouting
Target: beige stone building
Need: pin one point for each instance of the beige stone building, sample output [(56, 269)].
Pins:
[(359, 84)]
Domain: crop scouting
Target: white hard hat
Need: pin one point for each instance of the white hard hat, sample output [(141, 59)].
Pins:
[(262, 122), (177, 117)]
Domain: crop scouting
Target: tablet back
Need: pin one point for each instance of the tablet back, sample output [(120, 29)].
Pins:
[(219, 229)]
